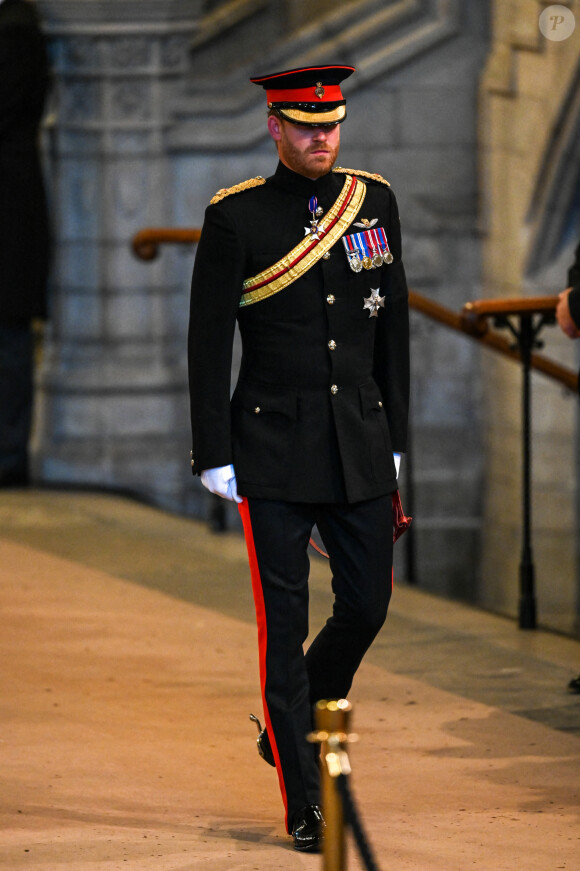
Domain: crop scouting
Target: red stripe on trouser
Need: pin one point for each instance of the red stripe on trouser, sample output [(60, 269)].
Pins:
[(244, 510)]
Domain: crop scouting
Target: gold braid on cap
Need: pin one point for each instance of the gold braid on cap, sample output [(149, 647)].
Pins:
[(237, 188), (360, 173)]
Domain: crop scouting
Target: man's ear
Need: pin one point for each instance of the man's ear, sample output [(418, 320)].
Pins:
[(275, 128)]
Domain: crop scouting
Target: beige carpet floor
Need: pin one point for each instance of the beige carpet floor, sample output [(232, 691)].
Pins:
[(125, 744)]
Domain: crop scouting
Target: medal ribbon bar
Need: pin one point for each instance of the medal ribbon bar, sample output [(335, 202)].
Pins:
[(368, 248)]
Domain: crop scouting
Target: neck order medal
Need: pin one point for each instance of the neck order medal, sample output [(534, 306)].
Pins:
[(317, 212)]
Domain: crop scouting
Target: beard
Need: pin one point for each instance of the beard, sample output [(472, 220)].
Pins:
[(306, 161)]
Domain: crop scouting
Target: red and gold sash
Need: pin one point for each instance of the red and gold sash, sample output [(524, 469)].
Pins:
[(309, 251)]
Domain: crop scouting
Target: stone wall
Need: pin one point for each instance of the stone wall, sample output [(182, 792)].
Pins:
[(530, 127)]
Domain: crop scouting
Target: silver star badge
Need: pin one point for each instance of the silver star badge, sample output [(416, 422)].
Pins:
[(373, 302)]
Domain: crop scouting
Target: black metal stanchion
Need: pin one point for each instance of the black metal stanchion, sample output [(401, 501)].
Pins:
[(410, 541), (217, 514), (526, 337), (527, 604)]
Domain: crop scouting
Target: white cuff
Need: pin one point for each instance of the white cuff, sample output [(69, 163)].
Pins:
[(397, 459)]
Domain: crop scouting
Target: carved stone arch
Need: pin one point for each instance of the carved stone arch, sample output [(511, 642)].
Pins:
[(554, 212)]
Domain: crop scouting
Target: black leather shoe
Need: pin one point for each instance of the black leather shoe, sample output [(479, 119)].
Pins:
[(574, 685), (263, 742), (308, 829)]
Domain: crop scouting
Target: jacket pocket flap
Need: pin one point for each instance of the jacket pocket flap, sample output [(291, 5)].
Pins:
[(259, 401), (370, 398)]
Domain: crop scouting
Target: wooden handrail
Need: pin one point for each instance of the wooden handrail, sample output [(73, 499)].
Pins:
[(146, 243), (476, 313), (472, 321)]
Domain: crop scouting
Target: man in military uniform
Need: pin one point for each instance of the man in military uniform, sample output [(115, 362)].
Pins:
[(24, 228), (568, 317), (568, 308), (308, 261)]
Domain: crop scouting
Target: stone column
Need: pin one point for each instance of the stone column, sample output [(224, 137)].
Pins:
[(113, 407)]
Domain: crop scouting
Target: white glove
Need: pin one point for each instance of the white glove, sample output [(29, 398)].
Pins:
[(222, 482), (397, 459)]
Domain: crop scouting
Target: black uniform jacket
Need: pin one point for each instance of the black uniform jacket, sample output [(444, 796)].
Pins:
[(322, 395), (574, 296), (574, 283), (24, 227)]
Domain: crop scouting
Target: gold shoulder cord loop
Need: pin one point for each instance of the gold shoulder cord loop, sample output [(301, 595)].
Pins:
[(362, 174), (237, 188)]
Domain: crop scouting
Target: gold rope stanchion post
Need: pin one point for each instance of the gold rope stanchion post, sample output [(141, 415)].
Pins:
[(332, 723)]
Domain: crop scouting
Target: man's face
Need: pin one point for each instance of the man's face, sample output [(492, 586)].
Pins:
[(310, 151)]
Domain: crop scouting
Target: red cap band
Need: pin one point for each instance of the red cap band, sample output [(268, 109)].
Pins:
[(331, 94)]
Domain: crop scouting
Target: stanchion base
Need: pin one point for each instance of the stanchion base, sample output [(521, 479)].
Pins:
[(527, 619)]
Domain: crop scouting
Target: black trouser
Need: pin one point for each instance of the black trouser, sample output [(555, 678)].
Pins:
[(16, 393), (359, 542)]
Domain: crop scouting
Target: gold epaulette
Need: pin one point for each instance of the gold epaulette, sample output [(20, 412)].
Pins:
[(360, 173), (237, 188)]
